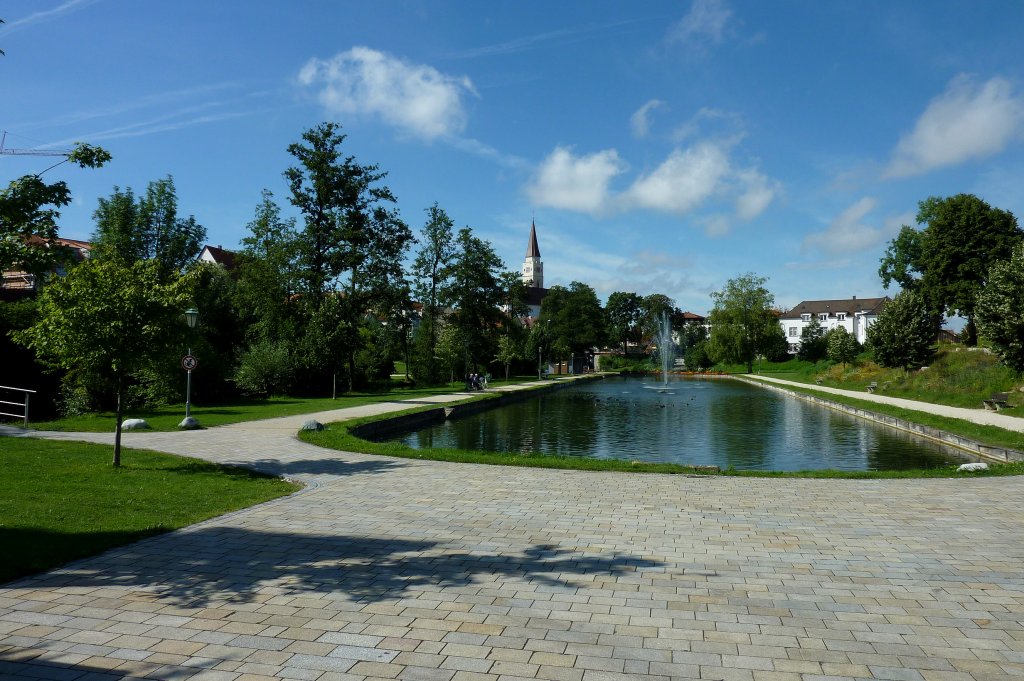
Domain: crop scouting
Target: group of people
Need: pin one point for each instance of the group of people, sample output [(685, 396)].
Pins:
[(477, 381)]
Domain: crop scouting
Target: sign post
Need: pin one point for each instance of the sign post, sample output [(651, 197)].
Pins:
[(188, 363)]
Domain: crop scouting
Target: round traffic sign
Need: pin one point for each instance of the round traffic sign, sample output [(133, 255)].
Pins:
[(188, 362)]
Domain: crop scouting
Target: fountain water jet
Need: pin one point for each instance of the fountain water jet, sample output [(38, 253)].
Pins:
[(666, 349)]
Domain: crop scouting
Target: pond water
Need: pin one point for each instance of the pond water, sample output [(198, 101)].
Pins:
[(696, 422)]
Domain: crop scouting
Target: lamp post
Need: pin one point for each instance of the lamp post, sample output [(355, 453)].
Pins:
[(188, 362)]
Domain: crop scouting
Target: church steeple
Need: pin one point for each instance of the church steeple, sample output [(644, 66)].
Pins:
[(533, 268)]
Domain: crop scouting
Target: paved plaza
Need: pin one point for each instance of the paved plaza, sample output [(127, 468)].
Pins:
[(401, 569)]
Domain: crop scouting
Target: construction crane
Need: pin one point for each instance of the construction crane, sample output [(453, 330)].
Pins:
[(30, 152)]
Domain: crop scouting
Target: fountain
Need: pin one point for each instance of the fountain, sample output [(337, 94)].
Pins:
[(666, 350)]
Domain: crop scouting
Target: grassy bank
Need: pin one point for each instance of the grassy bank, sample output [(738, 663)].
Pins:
[(60, 501), (339, 436), (166, 418), (957, 377)]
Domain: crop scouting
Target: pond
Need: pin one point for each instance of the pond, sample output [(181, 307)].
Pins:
[(718, 422)]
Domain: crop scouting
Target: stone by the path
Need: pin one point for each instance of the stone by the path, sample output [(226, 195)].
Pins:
[(972, 467), (313, 425), (135, 424), (189, 423)]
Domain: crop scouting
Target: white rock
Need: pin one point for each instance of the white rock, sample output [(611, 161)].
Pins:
[(189, 423), (971, 467), (312, 424), (134, 424)]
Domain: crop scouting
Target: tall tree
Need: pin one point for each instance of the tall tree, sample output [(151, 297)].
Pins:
[(624, 310), (813, 344), (432, 270), (29, 210), (476, 294), (742, 320), (353, 240), (106, 320), (574, 319), (148, 227), (947, 262), (654, 307), (842, 346), (1000, 310), (903, 336)]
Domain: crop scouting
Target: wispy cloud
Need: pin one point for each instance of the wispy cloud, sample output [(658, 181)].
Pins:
[(157, 125), (577, 183), (44, 16), (531, 42), (706, 24), (488, 152), (970, 120), (639, 122), (414, 98), (849, 232)]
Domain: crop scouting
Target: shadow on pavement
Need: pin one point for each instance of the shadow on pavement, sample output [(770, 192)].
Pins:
[(229, 564)]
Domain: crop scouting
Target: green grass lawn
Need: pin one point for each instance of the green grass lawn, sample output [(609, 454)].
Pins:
[(167, 418), (60, 501)]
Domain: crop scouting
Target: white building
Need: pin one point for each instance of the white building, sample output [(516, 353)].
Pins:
[(533, 275), (852, 314)]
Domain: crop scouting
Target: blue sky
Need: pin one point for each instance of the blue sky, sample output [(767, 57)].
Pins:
[(660, 146)]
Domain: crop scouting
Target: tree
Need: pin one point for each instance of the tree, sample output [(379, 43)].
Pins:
[(475, 294), (509, 350), (353, 240), (432, 271), (813, 345), (624, 310), (654, 307), (106, 320), (130, 229), (29, 210), (947, 261), (903, 336), (574, 319), (1000, 312), (696, 357), (842, 346), (742, 320)]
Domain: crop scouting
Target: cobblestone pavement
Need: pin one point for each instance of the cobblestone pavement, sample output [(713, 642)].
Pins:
[(386, 568)]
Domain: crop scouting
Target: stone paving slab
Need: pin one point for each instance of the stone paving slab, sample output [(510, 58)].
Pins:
[(399, 569)]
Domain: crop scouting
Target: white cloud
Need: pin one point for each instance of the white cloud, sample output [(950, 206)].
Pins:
[(705, 23), (967, 121), (577, 183), (847, 233), (415, 98), (44, 15), (757, 193), (639, 122), (683, 181)]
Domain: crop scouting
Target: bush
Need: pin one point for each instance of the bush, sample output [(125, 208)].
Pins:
[(904, 335), (266, 369)]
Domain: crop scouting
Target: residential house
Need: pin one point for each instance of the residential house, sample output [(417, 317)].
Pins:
[(218, 256), (18, 284), (853, 314)]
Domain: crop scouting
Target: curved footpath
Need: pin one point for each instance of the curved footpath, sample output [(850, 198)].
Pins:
[(420, 570)]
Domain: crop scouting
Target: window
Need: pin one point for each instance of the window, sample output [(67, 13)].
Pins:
[(823, 316), (793, 331), (841, 316), (805, 317)]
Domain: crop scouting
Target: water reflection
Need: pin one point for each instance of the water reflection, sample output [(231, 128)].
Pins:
[(702, 422)]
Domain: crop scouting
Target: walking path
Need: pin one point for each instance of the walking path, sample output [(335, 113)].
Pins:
[(980, 416), (383, 568)]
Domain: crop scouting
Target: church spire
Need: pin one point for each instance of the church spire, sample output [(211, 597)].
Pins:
[(533, 250)]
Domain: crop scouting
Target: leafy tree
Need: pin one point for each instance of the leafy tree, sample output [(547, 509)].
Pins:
[(813, 344), (1000, 311), (130, 229), (29, 210), (510, 349), (106, 320), (742, 320), (776, 345), (903, 336), (574, 319), (842, 346), (696, 357), (654, 307), (947, 261), (352, 239), (624, 311), (476, 294), (432, 272), (265, 271)]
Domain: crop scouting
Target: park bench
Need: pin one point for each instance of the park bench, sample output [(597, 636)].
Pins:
[(872, 386), (996, 402)]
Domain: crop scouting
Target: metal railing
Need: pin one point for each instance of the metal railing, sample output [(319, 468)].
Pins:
[(23, 404)]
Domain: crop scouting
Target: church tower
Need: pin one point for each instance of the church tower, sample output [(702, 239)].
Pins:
[(533, 268)]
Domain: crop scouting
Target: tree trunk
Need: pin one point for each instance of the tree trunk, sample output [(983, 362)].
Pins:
[(117, 429), (970, 335)]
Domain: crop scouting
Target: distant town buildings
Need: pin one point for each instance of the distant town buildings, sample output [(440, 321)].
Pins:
[(533, 275), (855, 315)]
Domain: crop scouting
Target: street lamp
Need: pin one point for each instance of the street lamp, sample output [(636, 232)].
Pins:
[(188, 363)]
